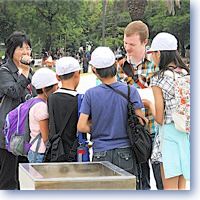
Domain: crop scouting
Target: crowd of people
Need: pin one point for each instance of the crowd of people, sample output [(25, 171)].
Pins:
[(83, 55), (103, 113)]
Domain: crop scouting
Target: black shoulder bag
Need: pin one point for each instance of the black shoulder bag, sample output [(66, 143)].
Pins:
[(138, 134)]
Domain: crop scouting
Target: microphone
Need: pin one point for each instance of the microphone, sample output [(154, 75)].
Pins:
[(25, 61)]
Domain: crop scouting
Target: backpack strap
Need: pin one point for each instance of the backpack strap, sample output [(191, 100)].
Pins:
[(121, 93), (39, 137), (2, 100), (12, 74), (3, 67), (129, 92), (176, 73), (126, 97)]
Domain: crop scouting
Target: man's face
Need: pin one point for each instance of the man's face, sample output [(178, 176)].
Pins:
[(133, 45)]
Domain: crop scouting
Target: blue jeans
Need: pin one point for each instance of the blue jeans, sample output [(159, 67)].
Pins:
[(121, 157), (34, 157)]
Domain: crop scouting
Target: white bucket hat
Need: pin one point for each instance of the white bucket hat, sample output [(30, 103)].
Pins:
[(66, 65), (102, 57), (163, 42), (44, 77)]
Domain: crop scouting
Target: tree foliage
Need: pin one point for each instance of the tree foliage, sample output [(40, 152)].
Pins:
[(159, 19), (70, 24)]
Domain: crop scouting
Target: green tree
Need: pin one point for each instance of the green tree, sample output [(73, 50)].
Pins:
[(159, 19), (70, 24)]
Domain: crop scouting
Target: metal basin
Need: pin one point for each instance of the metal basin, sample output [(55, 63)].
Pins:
[(63, 176)]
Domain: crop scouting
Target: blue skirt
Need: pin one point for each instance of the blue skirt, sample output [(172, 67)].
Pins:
[(175, 152)]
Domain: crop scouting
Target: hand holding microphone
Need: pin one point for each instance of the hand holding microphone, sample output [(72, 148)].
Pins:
[(27, 60)]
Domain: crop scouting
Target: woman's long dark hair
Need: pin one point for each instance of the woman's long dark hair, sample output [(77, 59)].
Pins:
[(167, 57), (16, 39)]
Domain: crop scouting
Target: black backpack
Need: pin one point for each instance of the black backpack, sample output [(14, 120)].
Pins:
[(138, 134), (55, 151), (54, 148)]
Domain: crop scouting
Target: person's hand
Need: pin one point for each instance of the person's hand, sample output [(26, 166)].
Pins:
[(24, 65), (149, 105), (146, 103), (25, 60), (140, 113)]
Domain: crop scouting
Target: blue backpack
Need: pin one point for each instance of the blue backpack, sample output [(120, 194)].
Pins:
[(83, 149), (16, 129)]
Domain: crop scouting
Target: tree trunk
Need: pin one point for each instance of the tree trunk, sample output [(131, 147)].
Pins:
[(104, 2), (48, 42), (171, 6), (48, 13), (136, 9)]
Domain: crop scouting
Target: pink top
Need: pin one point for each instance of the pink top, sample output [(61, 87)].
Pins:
[(37, 113)]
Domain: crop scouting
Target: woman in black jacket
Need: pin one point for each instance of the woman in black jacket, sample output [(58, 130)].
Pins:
[(15, 88)]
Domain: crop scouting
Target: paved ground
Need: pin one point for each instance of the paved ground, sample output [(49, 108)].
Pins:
[(87, 81)]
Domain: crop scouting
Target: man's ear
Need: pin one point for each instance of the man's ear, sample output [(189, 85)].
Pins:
[(146, 41)]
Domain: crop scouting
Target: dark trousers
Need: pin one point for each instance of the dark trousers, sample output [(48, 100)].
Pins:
[(8, 175), (146, 176), (145, 171), (9, 170), (157, 175), (85, 68)]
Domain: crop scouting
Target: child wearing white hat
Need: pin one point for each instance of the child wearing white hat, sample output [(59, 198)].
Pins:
[(63, 110), (175, 170), (45, 82), (104, 113)]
